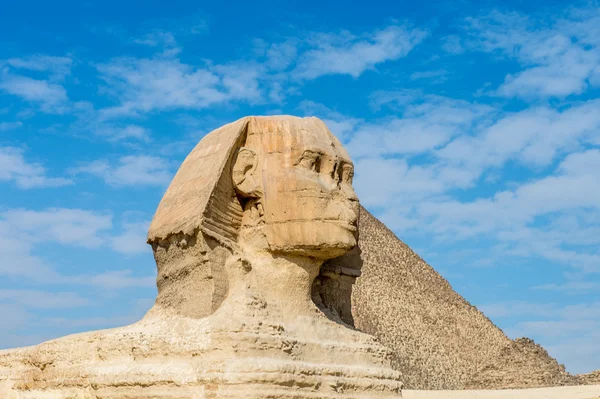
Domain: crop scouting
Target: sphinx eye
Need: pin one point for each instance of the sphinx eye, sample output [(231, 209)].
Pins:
[(347, 173), (310, 161)]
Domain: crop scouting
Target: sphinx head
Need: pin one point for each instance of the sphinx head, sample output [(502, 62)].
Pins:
[(279, 186), (280, 183), (294, 182)]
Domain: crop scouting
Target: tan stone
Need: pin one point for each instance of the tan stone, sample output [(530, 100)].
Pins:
[(238, 238), (590, 378), (570, 392)]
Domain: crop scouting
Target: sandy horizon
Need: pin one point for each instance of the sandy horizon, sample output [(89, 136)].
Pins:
[(568, 392)]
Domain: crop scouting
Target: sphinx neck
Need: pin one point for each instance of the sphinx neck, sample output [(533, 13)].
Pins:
[(285, 281)]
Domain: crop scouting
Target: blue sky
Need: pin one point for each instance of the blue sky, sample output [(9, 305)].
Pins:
[(474, 127)]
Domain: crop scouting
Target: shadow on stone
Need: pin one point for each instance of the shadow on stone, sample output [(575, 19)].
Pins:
[(332, 289)]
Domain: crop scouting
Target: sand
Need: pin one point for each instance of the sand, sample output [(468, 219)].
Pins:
[(573, 392)]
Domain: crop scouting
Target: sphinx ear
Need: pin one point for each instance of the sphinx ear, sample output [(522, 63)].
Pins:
[(245, 174)]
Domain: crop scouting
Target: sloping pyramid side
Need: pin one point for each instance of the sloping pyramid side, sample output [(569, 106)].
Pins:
[(439, 340)]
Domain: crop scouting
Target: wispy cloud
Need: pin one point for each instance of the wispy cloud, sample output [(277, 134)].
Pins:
[(59, 67), (64, 226), (14, 167), (157, 38), (509, 215), (114, 280), (348, 54), (134, 311), (51, 97), (22, 231), (133, 238), (4, 126), (560, 59), (160, 39), (122, 133), (571, 287), (143, 85), (163, 82), (518, 308), (37, 299), (434, 76), (13, 316), (535, 136), (424, 124), (452, 44), (130, 171)]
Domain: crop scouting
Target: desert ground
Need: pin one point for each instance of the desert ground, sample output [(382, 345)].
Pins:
[(571, 392)]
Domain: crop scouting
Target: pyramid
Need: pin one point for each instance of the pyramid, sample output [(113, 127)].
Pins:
[(439, 340)]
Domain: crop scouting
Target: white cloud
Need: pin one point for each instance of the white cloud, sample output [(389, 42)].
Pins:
[(547, 81), (533, 136), (143, 85), (13, 167), (510, 215), (157, 38), (393, 99), (340, 125), (556, 328), (42, 299), (279, 56), (162, 39), (118, 133), (22, 231), (114, 280), (59, 67), (13, 316), (517, 309), (452, 44), (560, 58), (133, 239), (136, 310), (18, 261), (4, 126), (425, 124), (515, 207), (64, 226), (348, 54), (11, 340), (433, 76), (51, 97), (17, 321), (132, 170), (374, 175), (571, 287)]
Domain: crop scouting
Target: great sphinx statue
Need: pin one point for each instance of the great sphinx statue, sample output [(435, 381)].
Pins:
[(239, 237)]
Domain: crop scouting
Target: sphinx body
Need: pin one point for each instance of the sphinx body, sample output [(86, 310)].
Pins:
[(239, 237)]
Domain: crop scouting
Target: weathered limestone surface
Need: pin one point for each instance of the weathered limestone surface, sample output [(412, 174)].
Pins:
[(238, 239), (590, 378), (438, 339), (565, 392)]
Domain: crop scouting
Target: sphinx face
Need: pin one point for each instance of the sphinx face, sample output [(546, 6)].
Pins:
[(309, 205)]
